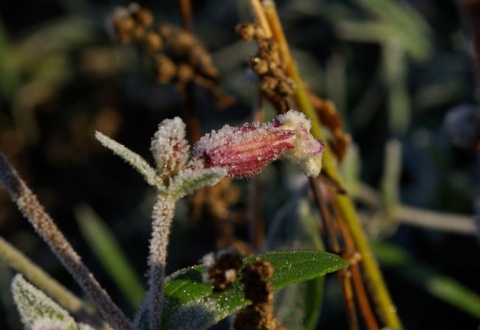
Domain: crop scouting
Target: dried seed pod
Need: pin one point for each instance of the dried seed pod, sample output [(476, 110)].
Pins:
[(142, 16), (152, 41), (247, 31), (221, 268), (123, 25), (184, 47), (165, 69), (259, 66)]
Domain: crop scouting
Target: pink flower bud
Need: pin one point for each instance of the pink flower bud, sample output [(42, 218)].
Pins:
[(246, 150)]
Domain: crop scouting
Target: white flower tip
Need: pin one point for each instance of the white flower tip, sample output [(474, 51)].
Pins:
[(293, 119)]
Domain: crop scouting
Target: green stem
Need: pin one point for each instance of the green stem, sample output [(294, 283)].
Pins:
[(381, 297)]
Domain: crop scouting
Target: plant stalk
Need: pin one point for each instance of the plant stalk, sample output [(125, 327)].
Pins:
[(163, 212), (381, 297)]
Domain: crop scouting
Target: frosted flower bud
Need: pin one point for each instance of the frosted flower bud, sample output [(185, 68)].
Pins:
[(246, 150), (170, 147)]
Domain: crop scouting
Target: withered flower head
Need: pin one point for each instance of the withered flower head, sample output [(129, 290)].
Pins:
[(246, 150)]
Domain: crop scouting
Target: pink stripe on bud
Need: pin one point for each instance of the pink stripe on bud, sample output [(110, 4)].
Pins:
[(246, 150)]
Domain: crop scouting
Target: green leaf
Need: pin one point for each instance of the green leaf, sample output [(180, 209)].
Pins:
[(191, 304), (108, 251), (37, 309)]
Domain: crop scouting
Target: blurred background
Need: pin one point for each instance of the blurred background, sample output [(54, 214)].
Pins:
[(401, 73)]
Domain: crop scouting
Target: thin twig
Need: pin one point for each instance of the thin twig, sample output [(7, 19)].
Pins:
[(353, 258), (449, 222), (345, 274), (385, 306), (45, 227), (415, 216), (260, 18), (186, 14)]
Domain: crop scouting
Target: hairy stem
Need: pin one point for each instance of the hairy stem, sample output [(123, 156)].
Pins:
[(43, 224), (385, 306), (163, 212)]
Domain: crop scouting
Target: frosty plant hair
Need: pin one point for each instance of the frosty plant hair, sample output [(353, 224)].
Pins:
[(233, 151)]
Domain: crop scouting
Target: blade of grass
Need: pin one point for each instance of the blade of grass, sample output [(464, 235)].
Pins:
[(109, 253)]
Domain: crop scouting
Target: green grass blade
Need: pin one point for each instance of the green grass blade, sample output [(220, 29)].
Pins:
[(106, 248)]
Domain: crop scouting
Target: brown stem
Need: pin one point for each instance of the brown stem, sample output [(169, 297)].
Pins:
[(186, 14), (191, 116), (345, 274), (45, 227), (353, 257)]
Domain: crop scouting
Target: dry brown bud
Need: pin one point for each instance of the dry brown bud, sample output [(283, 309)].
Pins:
[(123, 27), (143, 17), (185, 73), (260, 66), (153, 41), (165, 68), (246, 31), (268, 86), (286, 87)]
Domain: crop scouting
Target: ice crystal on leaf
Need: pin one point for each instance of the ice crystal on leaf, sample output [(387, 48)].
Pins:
[(38, 310)]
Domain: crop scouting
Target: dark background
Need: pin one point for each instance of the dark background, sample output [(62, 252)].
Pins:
[(62, 77)]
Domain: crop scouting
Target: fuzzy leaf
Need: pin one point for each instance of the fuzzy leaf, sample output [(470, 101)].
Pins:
[(190, 180), (191, 304), (169, 146), (37, 309), (133, 159)]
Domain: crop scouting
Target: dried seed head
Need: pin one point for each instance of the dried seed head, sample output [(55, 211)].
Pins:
[(122, 25), (221, 268), (152, 41), (165, 69), (259, 65), (247, 31)]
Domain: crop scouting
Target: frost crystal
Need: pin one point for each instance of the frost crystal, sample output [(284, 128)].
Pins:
[(246, 150)]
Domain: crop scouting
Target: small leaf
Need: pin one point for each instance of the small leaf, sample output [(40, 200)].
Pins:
[(36, 308), (133, 159), (190, 180), (191, 304)]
